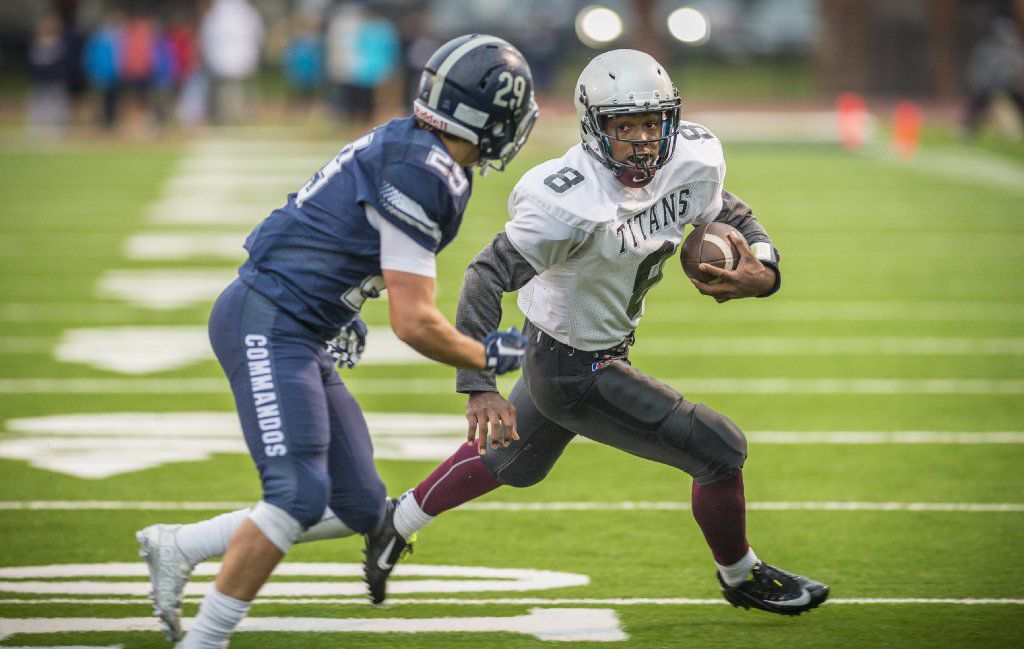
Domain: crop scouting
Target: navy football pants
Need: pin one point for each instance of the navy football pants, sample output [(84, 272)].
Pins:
[(304, 429)]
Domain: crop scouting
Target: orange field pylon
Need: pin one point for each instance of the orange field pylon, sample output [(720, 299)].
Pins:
[(853, 121), (906, 129)]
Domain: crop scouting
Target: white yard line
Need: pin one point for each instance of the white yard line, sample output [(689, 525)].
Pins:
[(960, 164), (144, 505), (690, 385), (69, 646), (555, 624), (782, 311), (892, 437), (180, 245), (744, 346), (64, 312), (785, 310), (100, 445), (532, 601), (837, 345), (301, 165)]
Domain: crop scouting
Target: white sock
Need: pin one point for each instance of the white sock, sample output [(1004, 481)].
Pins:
[(409, 518), (738, 572), (205, 539), (217, 618), (329, 527)]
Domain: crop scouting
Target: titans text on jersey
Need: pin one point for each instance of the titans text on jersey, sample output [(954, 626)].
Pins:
[(599, 246), (672, 206), (318, 256)]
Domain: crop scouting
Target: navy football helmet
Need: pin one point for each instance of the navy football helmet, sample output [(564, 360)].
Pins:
[(479, 88)]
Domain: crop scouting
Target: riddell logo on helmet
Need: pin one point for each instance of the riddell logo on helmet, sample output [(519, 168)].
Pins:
[(430, 118)]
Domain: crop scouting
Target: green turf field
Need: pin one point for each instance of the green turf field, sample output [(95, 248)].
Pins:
[(882, 390)]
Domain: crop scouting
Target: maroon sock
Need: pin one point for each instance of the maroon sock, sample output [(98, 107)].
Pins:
[(720, 511), (459, 479)]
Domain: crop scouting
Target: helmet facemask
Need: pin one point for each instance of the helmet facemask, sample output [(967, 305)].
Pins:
[(642, 168), (508, 138)]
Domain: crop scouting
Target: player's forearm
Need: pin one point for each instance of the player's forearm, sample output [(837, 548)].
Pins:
[(738, 214), (429, 333), (496, 270)]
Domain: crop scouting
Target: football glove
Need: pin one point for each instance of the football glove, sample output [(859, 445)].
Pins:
[(347, 347), (504, 351)]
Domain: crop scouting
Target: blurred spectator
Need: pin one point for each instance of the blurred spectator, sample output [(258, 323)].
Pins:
[(74, 43), (995, 66), (540, 44), (164, 76), (417, 45), (100, 62), (362, 53), (230, 37), (48, 68), (303, 59), (138, 68), (182, 40), (190, 83)]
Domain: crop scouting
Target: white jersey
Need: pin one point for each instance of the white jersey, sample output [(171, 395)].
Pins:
[(599, 246)]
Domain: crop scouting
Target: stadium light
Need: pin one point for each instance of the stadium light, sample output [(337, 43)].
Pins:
[(596, 26), (689, 26)]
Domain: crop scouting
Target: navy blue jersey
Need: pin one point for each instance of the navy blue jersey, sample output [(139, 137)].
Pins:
[(318, 257)]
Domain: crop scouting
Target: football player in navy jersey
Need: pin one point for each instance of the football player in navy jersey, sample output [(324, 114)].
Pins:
[(372, 218)]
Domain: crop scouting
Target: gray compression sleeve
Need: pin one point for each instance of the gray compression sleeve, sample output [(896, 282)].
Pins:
[(496, 270), (739, 215)]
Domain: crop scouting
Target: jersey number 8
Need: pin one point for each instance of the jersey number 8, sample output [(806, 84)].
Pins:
[(563, 179)]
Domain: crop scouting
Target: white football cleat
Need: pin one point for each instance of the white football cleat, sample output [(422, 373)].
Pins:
[(169, 571)]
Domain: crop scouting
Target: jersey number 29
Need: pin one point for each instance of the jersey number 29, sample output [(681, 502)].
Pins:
[(511, 84)]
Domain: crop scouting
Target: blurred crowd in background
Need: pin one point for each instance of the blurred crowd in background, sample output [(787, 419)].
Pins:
[(149, 65), (135, 67)]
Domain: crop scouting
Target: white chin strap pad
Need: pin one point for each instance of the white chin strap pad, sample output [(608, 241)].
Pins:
[(276, 524)]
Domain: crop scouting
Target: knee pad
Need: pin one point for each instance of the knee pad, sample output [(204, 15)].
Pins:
[(362, 511), (279, 526), (304, 496), (521, 473), (631, 397), (524, 463), (712, 447)]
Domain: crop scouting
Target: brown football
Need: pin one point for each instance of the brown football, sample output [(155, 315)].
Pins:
[(708, 244)]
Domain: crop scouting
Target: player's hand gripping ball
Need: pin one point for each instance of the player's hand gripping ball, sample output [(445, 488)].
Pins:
[(709, 244)]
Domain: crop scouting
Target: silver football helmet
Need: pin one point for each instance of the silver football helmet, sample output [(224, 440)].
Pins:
[(621, 82)]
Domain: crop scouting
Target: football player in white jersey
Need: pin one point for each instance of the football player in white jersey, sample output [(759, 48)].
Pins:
[(587, 238)]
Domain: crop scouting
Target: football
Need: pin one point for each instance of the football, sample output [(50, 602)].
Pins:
[(709, 244)]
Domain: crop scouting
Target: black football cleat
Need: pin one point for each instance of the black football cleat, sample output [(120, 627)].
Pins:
[(384, 548), (776, 591)]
